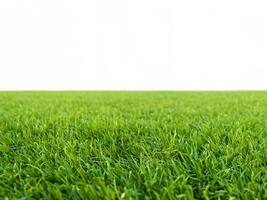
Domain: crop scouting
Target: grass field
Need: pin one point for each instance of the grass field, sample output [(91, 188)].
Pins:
[(133, 145)]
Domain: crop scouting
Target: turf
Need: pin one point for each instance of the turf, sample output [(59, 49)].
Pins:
[(133, 145)]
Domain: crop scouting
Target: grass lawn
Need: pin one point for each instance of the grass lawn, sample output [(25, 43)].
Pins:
[(133, 145)]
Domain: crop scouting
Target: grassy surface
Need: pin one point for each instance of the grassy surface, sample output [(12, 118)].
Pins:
[(152, 145)]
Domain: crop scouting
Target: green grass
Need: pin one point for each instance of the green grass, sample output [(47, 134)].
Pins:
[(133, 145)]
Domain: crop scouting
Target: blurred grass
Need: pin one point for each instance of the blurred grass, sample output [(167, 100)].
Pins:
[(133, 145)]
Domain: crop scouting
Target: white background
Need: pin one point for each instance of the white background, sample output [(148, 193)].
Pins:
[(133, 44)]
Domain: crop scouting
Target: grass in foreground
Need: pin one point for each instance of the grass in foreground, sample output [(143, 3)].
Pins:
[(133, 145)]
